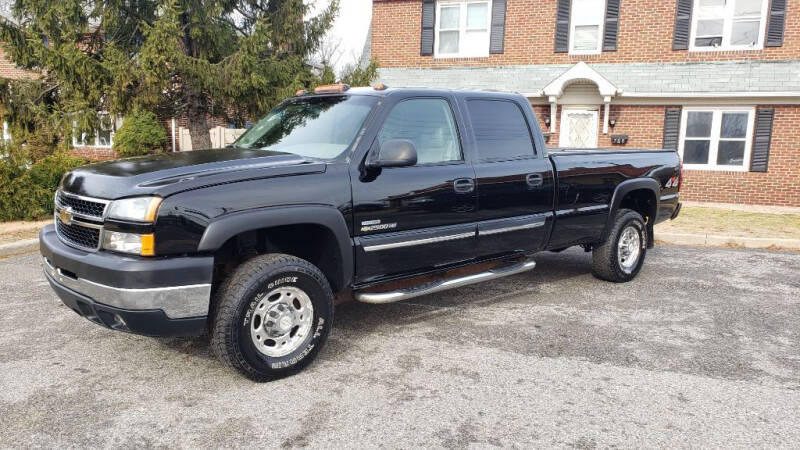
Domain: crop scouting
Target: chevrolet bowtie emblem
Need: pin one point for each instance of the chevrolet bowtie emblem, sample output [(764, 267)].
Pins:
[(65, 215)]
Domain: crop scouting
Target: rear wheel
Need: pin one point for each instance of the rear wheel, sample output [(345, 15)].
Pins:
[(272, 316), (621, 256)]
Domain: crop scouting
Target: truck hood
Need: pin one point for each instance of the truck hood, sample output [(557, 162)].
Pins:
[(170, 173)]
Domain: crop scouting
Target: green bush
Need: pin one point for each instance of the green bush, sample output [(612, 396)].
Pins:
[(140, 134), (26, 190)]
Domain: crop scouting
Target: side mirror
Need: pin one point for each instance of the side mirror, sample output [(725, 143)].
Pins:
[(393, 153)]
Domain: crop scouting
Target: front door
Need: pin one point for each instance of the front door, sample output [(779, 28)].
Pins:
[(414, 219), (578, 128)]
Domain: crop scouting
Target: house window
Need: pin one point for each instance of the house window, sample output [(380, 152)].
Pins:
[(586, 23), (716, 138), (462, 28), (103, 136), (728, 24)]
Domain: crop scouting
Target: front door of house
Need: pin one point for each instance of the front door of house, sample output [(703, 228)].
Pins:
[(578, 128)]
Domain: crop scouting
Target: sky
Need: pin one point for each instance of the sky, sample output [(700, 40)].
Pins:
[(350, 28)]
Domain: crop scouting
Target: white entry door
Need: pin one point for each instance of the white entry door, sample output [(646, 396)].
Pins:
[(578, 128)]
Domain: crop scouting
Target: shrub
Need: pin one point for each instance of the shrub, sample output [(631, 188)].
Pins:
[(26, 190), (140, 134)]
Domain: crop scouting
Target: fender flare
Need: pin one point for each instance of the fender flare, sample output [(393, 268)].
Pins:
[(228, 226), (623, 189)]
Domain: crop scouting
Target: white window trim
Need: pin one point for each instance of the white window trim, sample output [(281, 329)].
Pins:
[(727, 30), (462, 29), (94, 144), (600, 31), (714, 145)]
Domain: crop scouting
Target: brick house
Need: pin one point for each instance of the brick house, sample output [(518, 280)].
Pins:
[(717, 79)]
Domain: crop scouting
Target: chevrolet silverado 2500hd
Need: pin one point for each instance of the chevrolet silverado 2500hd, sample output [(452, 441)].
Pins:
[(373, 194)]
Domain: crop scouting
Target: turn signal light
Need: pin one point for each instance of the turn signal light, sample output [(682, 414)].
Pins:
[(331, 88)]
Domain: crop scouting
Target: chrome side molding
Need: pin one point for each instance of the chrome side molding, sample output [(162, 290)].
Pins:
[(430, 288)]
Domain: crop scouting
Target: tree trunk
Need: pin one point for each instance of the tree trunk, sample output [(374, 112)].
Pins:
[(199, 131)]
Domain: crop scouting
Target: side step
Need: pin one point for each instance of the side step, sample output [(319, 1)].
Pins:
[(443, 285)]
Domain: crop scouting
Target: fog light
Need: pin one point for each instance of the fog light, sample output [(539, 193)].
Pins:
[(137, 244)]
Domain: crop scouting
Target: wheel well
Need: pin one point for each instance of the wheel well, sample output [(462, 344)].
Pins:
[(314, 243), (642, 201)]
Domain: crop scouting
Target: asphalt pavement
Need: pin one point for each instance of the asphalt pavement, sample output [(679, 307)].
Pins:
[(701, 350)]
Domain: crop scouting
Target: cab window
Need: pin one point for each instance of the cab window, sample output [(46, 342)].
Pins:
[(429, 124)]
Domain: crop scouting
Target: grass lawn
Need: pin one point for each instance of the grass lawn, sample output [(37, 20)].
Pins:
[(702, 220)]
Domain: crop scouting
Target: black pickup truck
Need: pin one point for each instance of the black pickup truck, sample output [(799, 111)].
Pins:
[(371, 194)]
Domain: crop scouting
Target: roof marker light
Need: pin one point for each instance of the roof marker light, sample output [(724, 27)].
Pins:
[(380, 87), (331, 88)]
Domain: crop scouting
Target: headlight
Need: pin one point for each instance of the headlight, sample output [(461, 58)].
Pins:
[(139, 209), (137, 244)]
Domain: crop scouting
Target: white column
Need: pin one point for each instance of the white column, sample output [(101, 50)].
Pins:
[(607, 101), (553, 108), (173, 134)]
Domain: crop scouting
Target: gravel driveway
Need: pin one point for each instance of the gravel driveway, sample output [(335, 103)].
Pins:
[(702, 349)]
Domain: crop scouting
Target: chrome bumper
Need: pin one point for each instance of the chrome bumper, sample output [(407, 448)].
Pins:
[(176, 301)]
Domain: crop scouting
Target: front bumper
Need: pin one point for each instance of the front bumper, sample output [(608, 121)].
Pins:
[(150, 296)]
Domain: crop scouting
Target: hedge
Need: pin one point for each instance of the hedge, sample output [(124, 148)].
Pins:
[(26, 190)]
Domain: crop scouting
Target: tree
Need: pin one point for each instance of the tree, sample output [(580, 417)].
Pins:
[(186, 58), (140, 134)]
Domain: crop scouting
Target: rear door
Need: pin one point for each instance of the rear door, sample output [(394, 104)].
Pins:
[(514, 182), (414, 219)]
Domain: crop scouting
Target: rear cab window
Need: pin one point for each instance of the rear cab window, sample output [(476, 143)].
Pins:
[(500, 130)]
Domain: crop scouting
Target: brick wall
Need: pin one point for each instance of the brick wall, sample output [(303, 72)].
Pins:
[(9, 70), (644, 125), (95, 153), (645, 35)]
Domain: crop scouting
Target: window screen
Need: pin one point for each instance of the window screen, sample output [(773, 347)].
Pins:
[(501, 131), (429, 124)]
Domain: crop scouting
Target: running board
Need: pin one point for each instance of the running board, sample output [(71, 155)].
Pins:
[(443, 285)]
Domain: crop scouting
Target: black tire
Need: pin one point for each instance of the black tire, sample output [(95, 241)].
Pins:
[(606, 263), (245, 290)]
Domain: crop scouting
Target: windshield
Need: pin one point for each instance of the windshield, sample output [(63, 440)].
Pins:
[(313, 127)]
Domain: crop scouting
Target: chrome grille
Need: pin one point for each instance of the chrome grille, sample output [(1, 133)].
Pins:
[(79, 220), (82, 206), (78, 235)]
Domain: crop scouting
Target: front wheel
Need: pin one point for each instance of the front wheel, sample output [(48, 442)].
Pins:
[(272, 316), (621, 256)]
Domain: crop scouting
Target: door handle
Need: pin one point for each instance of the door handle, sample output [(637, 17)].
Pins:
[(464, 185), (534, 179)]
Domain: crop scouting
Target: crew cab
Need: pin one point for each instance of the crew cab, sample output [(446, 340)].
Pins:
[(372, 194)]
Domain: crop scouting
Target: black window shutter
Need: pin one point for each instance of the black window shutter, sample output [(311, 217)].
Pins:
[(498, 31), (761, 139), (777, 19), (562, 26), (672, 128), (428, 21), (611, 25), (683, 25)]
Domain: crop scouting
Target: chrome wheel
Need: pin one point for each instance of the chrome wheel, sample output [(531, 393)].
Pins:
[(281, 321), (629, 248)]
